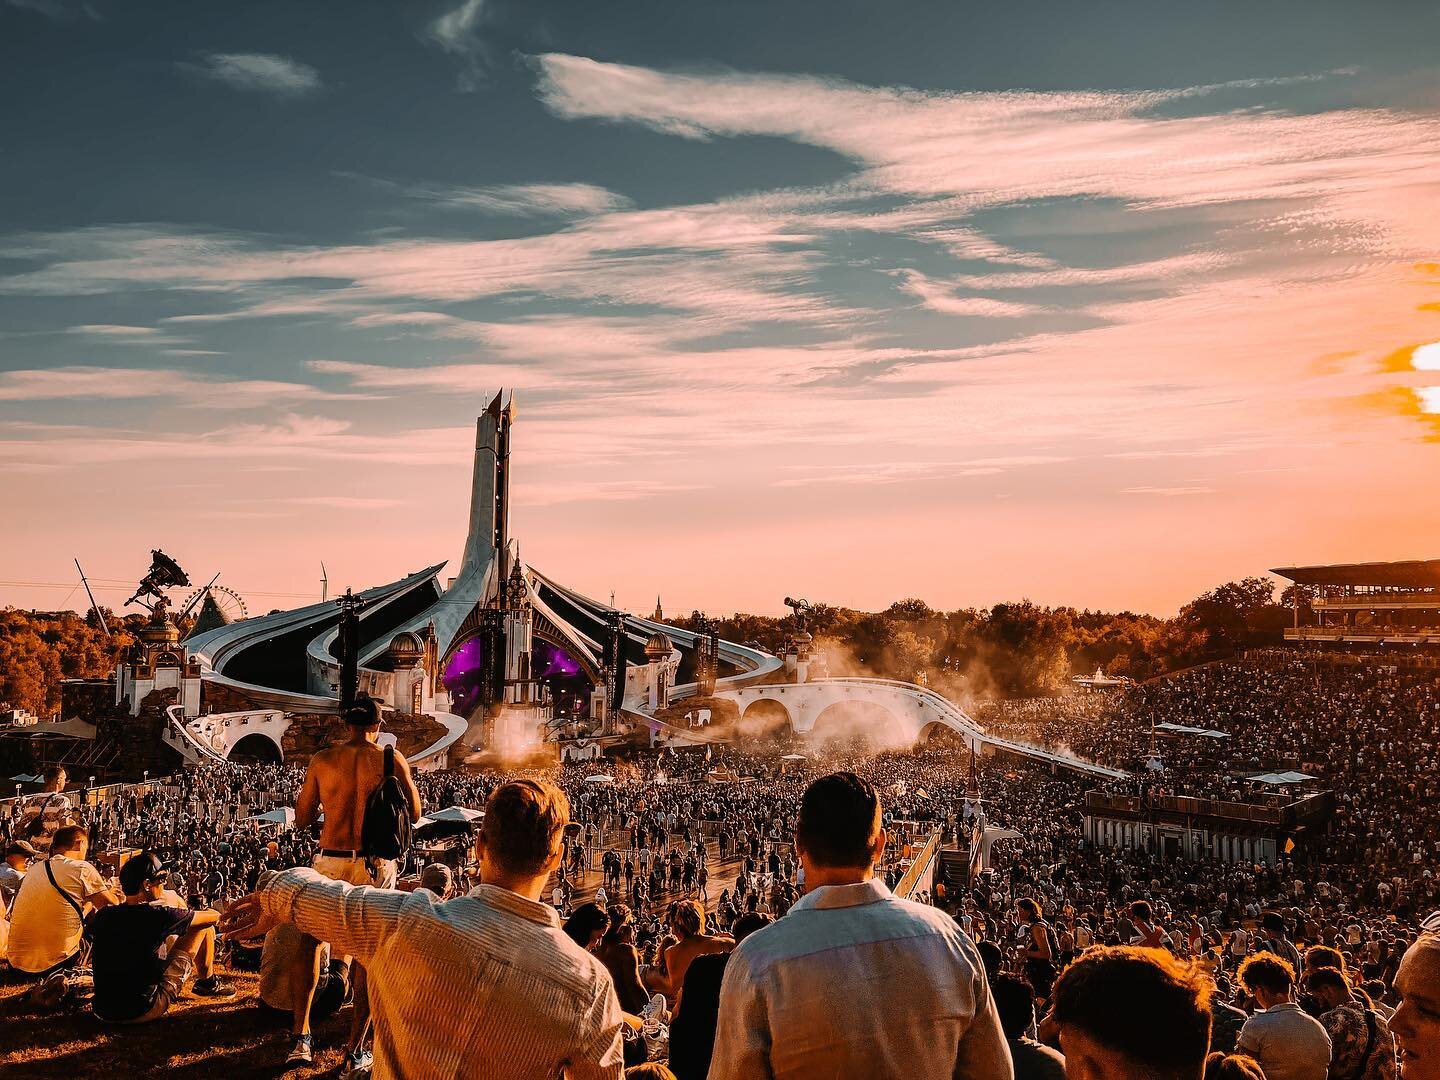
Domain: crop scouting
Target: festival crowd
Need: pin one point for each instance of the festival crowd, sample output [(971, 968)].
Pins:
[(651, 920)]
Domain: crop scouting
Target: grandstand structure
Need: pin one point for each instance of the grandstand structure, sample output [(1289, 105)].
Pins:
[(1380, 603), (1175, 826)]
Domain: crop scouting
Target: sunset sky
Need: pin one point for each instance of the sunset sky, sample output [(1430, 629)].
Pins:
[(1096, 303)]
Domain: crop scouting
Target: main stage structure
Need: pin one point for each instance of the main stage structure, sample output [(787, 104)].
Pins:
[(499, 662)]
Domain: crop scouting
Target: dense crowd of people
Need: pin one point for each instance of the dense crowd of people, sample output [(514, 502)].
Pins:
[(749, 928)]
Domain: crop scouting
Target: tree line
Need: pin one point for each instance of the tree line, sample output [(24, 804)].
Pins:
[(1020, 648), (1015, 649)]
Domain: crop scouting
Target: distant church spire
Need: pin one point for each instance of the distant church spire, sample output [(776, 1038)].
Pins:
[(659, 615)]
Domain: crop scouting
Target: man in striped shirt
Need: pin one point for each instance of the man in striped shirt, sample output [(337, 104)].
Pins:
[(485, 985)]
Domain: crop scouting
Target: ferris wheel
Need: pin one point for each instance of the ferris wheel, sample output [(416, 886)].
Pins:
[(230, 603)]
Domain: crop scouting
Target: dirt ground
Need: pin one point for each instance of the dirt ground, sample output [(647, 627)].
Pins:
[(197, 1038)]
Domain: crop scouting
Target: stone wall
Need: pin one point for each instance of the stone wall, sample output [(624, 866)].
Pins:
[(217, 698), (136, 740), (312, 732)]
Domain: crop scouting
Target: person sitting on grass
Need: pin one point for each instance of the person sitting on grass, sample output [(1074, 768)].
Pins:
[(137, 978), (47, 918)]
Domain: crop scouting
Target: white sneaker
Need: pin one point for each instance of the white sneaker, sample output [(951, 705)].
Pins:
[(303, 1052), (357, 1064)]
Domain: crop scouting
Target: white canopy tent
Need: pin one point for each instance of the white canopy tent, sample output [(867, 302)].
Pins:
[(1280, 779), (281, 815), (455, 813)]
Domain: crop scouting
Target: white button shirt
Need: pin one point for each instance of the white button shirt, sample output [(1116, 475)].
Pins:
[(855, 982)]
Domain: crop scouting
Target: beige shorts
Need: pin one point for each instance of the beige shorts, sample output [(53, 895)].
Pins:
[(382, 873), (172, 986)]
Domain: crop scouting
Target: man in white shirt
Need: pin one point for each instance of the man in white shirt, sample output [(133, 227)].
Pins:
[(46, 919), (1289, 1044), (854, 981), (482, 986)]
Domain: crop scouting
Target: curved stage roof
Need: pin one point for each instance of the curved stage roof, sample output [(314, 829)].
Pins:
[(289, 659)]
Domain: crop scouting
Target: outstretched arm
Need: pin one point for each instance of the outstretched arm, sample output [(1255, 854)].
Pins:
[(354, 919)]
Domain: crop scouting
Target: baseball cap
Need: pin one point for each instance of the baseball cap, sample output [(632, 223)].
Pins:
[(436, 877), (141, 869), (21, 847)]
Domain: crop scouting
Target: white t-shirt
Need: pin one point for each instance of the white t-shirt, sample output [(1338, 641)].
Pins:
[(44, 928)]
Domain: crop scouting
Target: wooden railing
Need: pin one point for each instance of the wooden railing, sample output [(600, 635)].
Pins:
[(926, 856)]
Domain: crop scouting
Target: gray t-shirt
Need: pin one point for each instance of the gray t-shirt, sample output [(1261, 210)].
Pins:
[(10, 879), (1035, 1061)]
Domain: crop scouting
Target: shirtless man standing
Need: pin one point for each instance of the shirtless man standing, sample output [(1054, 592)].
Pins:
[(339, 780)]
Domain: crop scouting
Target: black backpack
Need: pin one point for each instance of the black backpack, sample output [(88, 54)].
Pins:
[(385, 831)]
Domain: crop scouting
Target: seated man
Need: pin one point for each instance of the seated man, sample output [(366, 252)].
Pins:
[(277, 984), (438, 880), (46, 920), (136, 977)]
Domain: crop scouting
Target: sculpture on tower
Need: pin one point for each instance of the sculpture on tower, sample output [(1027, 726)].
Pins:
[(165, 573), (157, 660)]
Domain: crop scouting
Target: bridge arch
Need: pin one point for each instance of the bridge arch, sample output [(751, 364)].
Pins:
[(871, 723), (765, 720), (938, 734), (257, 748)]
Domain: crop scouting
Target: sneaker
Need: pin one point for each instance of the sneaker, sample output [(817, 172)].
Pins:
[(357, 1063), (213, 987), (303, 1053)]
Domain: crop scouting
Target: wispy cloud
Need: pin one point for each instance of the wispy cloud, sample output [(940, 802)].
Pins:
[(116, 334), (264, 73), (507, 200), (939, 297), (1000, 148), (871, 473), (346, 502), (1168, 492), (59, 10), (524, 200), (53, 384), (458, 32)]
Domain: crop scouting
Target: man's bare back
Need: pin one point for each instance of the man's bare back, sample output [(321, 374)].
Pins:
[(339, 780)]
